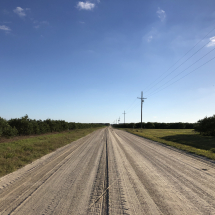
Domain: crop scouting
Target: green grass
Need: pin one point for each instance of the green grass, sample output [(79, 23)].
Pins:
[(184, 139), (18, 153)]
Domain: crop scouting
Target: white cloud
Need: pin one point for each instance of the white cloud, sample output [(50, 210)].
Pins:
[(151, 35), (5, 28), (44, 23), (85, 5), (39, 24), (161, 14), (212, 42), (149, 39), (20, 12)]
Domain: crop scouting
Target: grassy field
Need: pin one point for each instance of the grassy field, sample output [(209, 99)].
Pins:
[(185, 139), (19, 151)]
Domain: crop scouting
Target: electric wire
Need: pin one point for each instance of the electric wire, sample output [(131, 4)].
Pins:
[(184, 70), (180, 59), (131, 106), (179, 66), (157, 90), (184, 76)]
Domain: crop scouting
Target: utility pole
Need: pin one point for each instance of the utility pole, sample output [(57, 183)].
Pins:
[(118, 120), (142, 100), (124, 116)]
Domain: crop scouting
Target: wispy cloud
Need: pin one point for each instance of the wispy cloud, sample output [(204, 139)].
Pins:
[(85, 5), (212, 42), (44, 23), (39, 24), (20, 11), (149, 39), (36, 26), (5, 28), (161, 14), (151, 35)]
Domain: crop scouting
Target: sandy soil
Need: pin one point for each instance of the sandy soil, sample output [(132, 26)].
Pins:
[(111, 172)]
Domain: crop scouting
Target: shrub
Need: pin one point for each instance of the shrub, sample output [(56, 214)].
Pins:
[(6, 129), (206, 126), (23, 125)]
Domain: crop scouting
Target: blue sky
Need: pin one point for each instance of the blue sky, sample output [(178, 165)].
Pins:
[(88, 61)]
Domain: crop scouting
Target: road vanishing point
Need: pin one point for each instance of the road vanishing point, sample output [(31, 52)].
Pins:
[(111, 172)]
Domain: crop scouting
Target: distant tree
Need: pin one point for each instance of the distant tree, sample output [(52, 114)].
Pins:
[(206, 126), (150, 125), (23, 125), (6, 130)]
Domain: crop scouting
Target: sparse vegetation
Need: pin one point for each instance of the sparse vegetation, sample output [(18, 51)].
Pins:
[(19, 151), (27, 126), (206, 126), (184, 139), (157, 125)]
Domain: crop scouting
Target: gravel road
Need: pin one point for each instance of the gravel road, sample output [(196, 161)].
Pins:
[(111, 172)]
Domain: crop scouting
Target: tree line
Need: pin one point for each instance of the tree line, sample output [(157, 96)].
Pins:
[(26, 126), (157, 125), (204, 126)]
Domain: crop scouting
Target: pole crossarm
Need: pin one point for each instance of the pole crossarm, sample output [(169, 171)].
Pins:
[(124, 116), (142, 100)]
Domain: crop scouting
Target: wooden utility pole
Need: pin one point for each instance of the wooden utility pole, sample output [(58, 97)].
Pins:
[(142, 100), (124, 116)]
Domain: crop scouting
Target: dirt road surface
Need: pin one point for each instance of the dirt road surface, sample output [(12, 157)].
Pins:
[(111, 172)]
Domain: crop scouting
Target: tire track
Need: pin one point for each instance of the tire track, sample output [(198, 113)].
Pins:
[(19, 192), (183, 191), (111, 172), (97, 203)]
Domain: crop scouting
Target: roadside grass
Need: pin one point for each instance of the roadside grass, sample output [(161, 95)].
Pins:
[(17, 152), (184, 139)]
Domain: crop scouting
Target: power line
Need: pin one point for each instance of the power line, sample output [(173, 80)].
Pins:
[(132, 104), (178, 66), (133, 108), (183, 70), (173, 71), (183, 76)]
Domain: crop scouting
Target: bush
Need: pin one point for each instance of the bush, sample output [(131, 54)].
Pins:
[(157, 125), (212, 150), (206, 126), (150, 125), (6, 129), (26, 126), (23, 125)]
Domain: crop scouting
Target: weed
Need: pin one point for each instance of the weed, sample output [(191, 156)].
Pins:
[(16, 153), (184, 139), (212, 150)]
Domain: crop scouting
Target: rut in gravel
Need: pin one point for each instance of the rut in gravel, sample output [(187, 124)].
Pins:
[(111, 172)]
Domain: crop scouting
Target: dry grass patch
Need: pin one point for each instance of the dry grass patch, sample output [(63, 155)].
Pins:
[(17, 152), (184, 139)]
